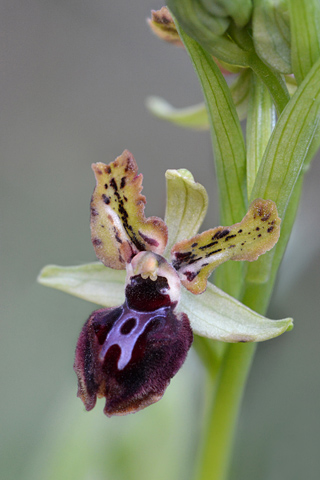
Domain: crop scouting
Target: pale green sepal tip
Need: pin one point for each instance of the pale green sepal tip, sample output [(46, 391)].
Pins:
[(194, 117), (187, 203), (92, 282), (186, 174), (215, 314)]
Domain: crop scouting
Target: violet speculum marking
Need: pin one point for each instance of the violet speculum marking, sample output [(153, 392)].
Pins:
[(126, 331), (128, 354)]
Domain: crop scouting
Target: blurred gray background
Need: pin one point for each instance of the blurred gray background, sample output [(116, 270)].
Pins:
[(74, 78)]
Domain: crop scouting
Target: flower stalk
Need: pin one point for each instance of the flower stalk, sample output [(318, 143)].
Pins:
[(224, 411)]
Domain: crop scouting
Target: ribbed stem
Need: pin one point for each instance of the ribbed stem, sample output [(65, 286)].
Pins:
[(225, 405)]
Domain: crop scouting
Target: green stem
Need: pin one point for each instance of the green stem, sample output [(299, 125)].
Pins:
[(272, 80), (235, 368), (226, 396), (260, 123), (210, 355), (225, 405)]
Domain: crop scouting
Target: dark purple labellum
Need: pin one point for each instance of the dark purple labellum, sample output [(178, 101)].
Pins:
[(129, 356), (147, 295)]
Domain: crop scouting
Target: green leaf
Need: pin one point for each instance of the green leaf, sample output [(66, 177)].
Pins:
[(271, 78), (305, 36), (283, 164), (195, 117), (187, 203), (214, 314), (260, 123), (227, 138), (235, 46), (92, 282), (305, 43), (289, 143), (271, 33), (228, 147)]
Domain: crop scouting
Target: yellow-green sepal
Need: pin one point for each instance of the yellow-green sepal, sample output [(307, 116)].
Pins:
[(187, 203)]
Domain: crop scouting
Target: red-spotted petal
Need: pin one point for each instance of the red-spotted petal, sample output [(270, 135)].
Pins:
[(195, 259), (119, 229)]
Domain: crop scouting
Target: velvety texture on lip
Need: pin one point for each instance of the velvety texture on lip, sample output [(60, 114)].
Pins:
[(129, 357)]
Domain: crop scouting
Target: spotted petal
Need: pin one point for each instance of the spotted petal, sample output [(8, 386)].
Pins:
[(119, 229), (195, 259)]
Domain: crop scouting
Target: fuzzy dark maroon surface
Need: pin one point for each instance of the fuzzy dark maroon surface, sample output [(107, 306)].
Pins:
[(129, 356)]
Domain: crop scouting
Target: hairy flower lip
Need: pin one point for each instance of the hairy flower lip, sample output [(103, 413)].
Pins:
[(126, 331), (128, 354), (132, 368)]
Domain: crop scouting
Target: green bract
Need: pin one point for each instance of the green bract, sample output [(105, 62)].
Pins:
[(281, 171), (207, 29), (229, 151), (190, 117), (237, 11), (235, 46), (227, 138), (271, 33), (305, 36), (196, 117), (260, 124)]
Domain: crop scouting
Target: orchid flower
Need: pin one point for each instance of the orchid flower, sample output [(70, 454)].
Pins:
[(129, 351)]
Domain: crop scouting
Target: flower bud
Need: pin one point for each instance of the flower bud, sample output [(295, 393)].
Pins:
[(239, 11), (208, 22), (162, 25)]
